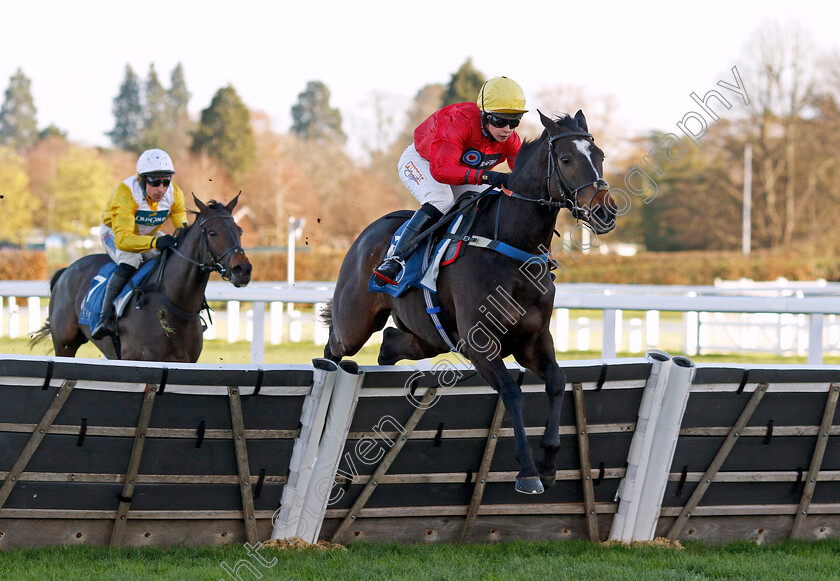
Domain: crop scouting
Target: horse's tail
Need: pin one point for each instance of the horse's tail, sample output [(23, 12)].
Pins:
[(40, 335), (44, 332), (326, 313)]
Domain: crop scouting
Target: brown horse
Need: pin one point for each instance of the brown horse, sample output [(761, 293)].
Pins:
[(168, 326), (491, 305)]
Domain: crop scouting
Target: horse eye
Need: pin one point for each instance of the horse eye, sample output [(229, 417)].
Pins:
[(566, 160), (211, 233)]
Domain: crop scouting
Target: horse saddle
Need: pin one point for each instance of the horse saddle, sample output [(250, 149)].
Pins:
[(425, 261), (92, 303)]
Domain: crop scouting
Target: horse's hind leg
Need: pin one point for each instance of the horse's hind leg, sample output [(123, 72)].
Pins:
[(348, 336), (67, 338), (397, 345), (538, 356)]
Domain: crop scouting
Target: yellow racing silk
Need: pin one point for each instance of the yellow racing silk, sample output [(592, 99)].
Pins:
[(135, 218)]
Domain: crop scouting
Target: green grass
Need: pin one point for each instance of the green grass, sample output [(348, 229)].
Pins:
[(220, 351), (794, 561)]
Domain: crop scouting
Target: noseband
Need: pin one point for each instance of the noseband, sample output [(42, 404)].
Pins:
[(215, 261)]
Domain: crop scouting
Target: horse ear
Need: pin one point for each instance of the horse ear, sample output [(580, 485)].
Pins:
[(232, 204), (581, 120), (198, 204), (549, 125)]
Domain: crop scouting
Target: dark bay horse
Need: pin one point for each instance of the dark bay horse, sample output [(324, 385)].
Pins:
[(561, 169), (168, 326)]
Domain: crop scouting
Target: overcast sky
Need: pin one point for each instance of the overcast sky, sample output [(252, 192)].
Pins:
[(648, 55)]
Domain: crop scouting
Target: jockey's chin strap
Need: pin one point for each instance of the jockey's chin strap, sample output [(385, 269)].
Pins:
[(215, 261)]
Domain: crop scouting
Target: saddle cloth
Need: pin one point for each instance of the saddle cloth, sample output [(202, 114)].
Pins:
[(92, 303), (423, 265)]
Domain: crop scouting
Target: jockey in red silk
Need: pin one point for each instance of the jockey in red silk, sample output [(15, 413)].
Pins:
[(131, 223), (454, 150)]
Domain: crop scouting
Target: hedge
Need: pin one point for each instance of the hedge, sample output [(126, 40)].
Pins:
[(689, 268), (22, 264)]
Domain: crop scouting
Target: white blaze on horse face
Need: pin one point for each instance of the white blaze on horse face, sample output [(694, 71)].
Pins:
[(583, 146)]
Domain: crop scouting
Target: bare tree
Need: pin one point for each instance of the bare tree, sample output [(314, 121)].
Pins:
[(782, 80)]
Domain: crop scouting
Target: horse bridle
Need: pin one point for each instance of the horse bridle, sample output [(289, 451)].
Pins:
[(568, 195), (560, 188), (216, 261)]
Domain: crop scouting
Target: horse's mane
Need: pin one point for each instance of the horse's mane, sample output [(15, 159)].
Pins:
[(564, 120)]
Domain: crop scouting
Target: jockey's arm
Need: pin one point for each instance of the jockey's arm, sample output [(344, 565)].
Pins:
[(126, 238)]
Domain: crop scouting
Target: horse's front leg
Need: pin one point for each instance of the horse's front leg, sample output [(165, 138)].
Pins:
[(495, 373), (538, 356)]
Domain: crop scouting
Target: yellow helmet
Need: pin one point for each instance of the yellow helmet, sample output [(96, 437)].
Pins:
[(501, 95)]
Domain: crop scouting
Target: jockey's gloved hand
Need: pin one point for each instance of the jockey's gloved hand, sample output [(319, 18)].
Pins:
[(165, 241), (495, 178)]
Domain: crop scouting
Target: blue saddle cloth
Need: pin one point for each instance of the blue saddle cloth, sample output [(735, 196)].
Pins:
[(412, 273), (92, 303)]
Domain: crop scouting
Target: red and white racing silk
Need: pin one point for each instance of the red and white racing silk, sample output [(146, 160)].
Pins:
[(458, 149)]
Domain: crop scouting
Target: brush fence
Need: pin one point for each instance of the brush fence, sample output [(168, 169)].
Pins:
[(124, 453)]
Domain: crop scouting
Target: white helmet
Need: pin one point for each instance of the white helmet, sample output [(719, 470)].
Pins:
[(155, 161)]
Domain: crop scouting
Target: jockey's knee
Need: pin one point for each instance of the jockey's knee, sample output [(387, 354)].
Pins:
[(127, 268), (130, 259)]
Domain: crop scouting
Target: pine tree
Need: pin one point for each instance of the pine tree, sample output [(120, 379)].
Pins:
[(225, 132), (128, 113), (155, 113), (178, 117), (464, 84), (18, 123), (313, 118)]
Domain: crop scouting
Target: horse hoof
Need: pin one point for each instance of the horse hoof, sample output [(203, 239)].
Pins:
[(548, 478), (529, 485)]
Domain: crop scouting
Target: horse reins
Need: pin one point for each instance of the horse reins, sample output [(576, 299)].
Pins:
[(568, 195), (216, 265)]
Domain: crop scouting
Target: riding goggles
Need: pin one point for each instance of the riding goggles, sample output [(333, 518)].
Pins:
[(159, 182), (499, 122)]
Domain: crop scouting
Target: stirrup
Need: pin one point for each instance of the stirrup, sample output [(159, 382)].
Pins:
[(105, 328), (384, 279)]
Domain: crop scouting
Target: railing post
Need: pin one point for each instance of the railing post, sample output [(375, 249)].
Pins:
[(651, 329), (33, 305), (619, 330), (634, 342), (232, 321), (276, 325), (583, 334), (692, 330), (321, 332), (14, 318), (561, 330), (258, 333), (815, 339), (608, 341)]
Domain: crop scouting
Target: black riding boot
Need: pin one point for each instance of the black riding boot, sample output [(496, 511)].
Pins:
[(389, 270), (107, 324)]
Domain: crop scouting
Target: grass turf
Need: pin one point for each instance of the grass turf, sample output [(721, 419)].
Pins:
[(799, 561)]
